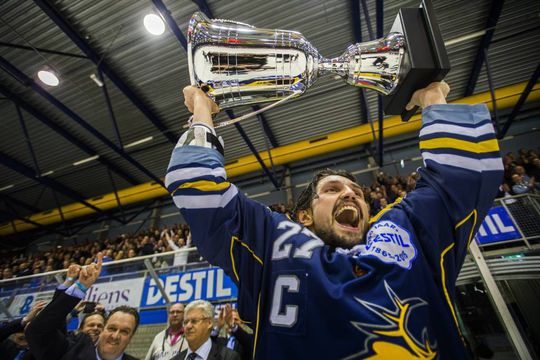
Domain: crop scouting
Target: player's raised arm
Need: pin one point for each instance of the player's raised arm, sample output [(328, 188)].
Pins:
[(463, 169), (225, 225)]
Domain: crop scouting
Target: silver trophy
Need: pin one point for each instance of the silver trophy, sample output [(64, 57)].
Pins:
[(238, 64)]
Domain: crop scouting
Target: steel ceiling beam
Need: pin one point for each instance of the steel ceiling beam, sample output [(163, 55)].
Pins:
[(110, 109), (46, 51), (28, 221), (203, 6), (97, 59), (253, 149), (493, 18), (9, 199), (520, 102), (24, 170), (266, 127), (27, 138), (64, 133), (173, 26), (25, 80)]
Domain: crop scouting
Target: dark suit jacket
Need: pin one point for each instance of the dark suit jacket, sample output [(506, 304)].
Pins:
[(217, 352), (47, 337), (9, 328), (243, 344)]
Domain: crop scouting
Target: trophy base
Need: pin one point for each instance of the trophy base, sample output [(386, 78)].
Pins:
[(425, 60)]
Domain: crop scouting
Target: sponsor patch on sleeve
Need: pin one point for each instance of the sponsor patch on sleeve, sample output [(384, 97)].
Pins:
[(390, 243)]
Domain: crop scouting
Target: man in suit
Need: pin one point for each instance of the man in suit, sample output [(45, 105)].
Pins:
[(47, 337), (198, 324)]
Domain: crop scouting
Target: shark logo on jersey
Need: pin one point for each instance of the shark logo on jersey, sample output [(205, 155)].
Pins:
[(392, 338), (390, 243)]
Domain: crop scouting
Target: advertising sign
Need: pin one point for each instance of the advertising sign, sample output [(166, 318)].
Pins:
[(207, 284), (497, 226)]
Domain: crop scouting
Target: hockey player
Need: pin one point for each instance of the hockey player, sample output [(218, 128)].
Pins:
[(336, 284)]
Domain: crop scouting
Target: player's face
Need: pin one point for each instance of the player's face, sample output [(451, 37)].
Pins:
[(340, 213)]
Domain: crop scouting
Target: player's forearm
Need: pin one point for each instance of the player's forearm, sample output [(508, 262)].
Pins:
[(202, 111)]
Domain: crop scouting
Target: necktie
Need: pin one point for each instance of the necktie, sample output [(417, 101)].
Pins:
[(230, 343), (20, 354), (192, 356)]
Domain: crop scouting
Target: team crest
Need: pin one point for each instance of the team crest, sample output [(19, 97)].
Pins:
[(391, 338)]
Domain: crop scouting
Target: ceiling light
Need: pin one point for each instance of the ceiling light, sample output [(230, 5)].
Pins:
[(96, 80), (138, 142), (80, 162), (47, 173), (7, 187), (48, 77), (154, 24)]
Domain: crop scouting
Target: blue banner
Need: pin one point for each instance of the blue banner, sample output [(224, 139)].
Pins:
[(497, 226), (207, 284)]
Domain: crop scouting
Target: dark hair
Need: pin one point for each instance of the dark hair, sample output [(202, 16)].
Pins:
[(307, 196), (128, 310), (100, 313)]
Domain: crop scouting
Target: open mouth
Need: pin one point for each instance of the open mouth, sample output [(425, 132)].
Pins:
[(348, 216)]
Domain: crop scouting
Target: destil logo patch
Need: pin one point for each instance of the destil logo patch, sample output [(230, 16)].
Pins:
[(391, 244)]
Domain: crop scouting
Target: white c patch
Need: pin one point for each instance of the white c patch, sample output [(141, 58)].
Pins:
[(390, 243)]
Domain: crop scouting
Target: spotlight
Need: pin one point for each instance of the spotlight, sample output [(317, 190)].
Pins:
[(48, 77), (154, 24)]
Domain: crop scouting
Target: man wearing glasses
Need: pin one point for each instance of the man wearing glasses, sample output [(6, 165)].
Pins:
[(170, 341), (198, 324)]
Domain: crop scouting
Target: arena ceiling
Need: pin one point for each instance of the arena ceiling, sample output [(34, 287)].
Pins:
[(76, 141)]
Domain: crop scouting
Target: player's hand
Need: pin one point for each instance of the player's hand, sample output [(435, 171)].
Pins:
[(195, 99), (90, 273), (434, 93)]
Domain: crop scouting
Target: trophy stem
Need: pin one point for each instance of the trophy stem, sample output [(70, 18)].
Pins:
[(336, 66), (374, 64)]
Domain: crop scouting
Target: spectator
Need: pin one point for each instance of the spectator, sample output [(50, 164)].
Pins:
[(234, 335), (198, 323), (92, 324), (521, 186), (46, 333), (170, 341)]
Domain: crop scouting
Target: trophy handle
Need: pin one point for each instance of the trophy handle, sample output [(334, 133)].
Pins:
[(245, 116), (251, 114)]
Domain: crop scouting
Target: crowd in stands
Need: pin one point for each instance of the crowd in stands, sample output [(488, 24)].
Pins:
[(521, 171), (153, 241), (195, 327)]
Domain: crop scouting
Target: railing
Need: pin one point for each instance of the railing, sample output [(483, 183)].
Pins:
[(511, 262)]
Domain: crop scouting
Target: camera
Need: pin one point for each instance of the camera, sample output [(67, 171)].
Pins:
[(89, 307)]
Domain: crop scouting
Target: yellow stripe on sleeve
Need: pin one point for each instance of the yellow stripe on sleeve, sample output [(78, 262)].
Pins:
[(478, 148), (382, 211), (204, 185)]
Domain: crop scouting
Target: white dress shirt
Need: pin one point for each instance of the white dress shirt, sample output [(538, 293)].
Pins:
[(202, 351)]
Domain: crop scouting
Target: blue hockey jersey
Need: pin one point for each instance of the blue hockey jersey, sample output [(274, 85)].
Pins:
[(391, 297)]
